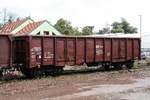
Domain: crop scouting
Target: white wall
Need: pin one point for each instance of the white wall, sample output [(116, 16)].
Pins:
[(45, 27)]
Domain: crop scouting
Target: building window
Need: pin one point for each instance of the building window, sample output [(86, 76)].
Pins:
[(46, 32), (53, 33), (38, 33)]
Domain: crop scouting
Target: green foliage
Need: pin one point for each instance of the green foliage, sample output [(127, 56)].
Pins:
[(117, 28), (66, 28), (104, 30), (76, 31), (87, 30), (123, 27)]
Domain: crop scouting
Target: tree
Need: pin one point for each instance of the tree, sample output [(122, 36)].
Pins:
[(76, 31), (87, 30), (123, 27), (65, 27), (127, 28), (117, 28), (11, 17), (105, 30), (8, 17)]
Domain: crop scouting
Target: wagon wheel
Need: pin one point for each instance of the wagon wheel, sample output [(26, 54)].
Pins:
[(1, 73), (37, 73), (57, 71), (106, 67), (25, 72), (124, 67), (130, 65), (117, 66), (32, 73), (60, 70)]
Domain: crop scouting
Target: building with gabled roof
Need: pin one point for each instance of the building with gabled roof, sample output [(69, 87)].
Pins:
[(38, 28), (15, 26), (29, 27)]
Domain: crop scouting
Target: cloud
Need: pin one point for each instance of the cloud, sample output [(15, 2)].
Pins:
[(83, 12)]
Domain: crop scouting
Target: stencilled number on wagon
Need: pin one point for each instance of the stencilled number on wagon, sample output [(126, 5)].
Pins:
[(48, 55), (99, 49)]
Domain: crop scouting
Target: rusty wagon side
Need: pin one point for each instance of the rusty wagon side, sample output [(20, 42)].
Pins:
[(37, 54), (6, 52)]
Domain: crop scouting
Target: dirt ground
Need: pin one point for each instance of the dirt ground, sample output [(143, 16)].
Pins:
[(96, 85)]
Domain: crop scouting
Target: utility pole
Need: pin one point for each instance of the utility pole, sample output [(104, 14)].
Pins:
[(140, 30), (140, 26), (4, 20)]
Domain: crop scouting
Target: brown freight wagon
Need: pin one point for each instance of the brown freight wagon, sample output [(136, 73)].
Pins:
[(36, 54), (6, 52)]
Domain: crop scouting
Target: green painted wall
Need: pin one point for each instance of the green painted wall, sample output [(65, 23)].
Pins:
[(45, 27)]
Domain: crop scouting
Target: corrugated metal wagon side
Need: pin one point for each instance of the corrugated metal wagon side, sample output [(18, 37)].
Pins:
[(39, 54), (35, 54), (6, 53)]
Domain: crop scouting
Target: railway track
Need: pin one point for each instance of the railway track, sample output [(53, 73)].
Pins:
[(20, 76)]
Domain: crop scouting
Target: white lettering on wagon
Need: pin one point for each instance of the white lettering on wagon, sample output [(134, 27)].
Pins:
[(99, 49), (48, 55), (36, 52)]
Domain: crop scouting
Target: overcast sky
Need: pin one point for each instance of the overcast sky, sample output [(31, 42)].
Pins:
[(98, 13)]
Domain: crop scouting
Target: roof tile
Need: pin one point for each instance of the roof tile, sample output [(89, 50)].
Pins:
[(9, 27), (29, 28)]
